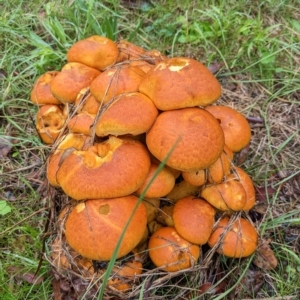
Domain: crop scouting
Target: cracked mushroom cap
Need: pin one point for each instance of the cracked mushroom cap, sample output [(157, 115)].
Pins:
[(236, 128), (72, 78), (171, 252), (194, 219), (192, 136), (114, 168), (40, 93), (130, 113), (94, 227), (180, 82), (50, 120), (236, 240), (97, 52)]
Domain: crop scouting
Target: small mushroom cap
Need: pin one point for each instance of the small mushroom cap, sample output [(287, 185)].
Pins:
[(194, 219), (170, 252), (162, 184), (131, 113), (94, 227), (81, 123), (225, 196), (196, 178), (242, 177), (115, 168), (180, 82), (90, 104), (238, 239), (165, 215), (50, 120), (181, 190), (152, 206), (236, 128), (115, 81), (72, 78), (40, 93), (96, 52), (192, 136)]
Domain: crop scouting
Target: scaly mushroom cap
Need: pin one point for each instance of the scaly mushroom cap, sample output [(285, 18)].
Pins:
[(226, 196), (192, 136), (180, 82), (50, 119), (131, 113), (94, 227), (41, 94), (236, 240), (236, 128), (169, 251), (114, 168), (90, 105), (194, 219), (73, 77), (96, 52), (115, 81), (162, 184)]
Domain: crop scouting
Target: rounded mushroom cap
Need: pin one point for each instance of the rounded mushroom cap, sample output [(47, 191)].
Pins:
[(131, 113), (94, 227), (225, 196), (90, 104), (194, 219), (114, 168), (50, 119), (236, 240), (72, 78), (181, 190), (169, 251), (162, 184), (180, 82), (236, 128), (96, 51), (242, 177), (81, 123), (40, 93), (115, 81), (192, 136), (196, 178)]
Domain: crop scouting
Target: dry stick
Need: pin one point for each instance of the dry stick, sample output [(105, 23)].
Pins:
[(28, 217)]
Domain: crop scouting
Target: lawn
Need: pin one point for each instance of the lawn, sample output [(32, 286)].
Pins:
[(252, 47)]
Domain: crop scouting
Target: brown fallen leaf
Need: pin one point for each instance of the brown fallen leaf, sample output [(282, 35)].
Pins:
[(242, 155), (215, 67), (27, 276), (5, 147), (262, 193), (265, 257)]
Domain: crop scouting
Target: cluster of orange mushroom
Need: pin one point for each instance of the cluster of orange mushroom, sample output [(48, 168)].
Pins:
[(138, 136)]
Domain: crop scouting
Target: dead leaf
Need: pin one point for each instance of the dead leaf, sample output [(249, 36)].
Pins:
[(262, 193), (215, 67), (242, 155), (265, 257)]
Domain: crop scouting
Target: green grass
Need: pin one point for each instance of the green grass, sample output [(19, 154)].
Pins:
[(257, 41)]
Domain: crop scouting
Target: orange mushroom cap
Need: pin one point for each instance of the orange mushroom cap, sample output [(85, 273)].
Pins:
[(94, 227), (192, 136), (115, 168), (238, 239), (180, 82), (97, 52), (169, 251), (194, 219), (236, 128)]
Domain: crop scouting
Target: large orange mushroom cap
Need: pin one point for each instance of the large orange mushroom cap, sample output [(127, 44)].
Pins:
[(169, 251), (236, 128), (72, 78), (94, 227), (130, 113), (194, 219), (180, 82), (115, 168), (193, 135), (237, 239), (97, 52)]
